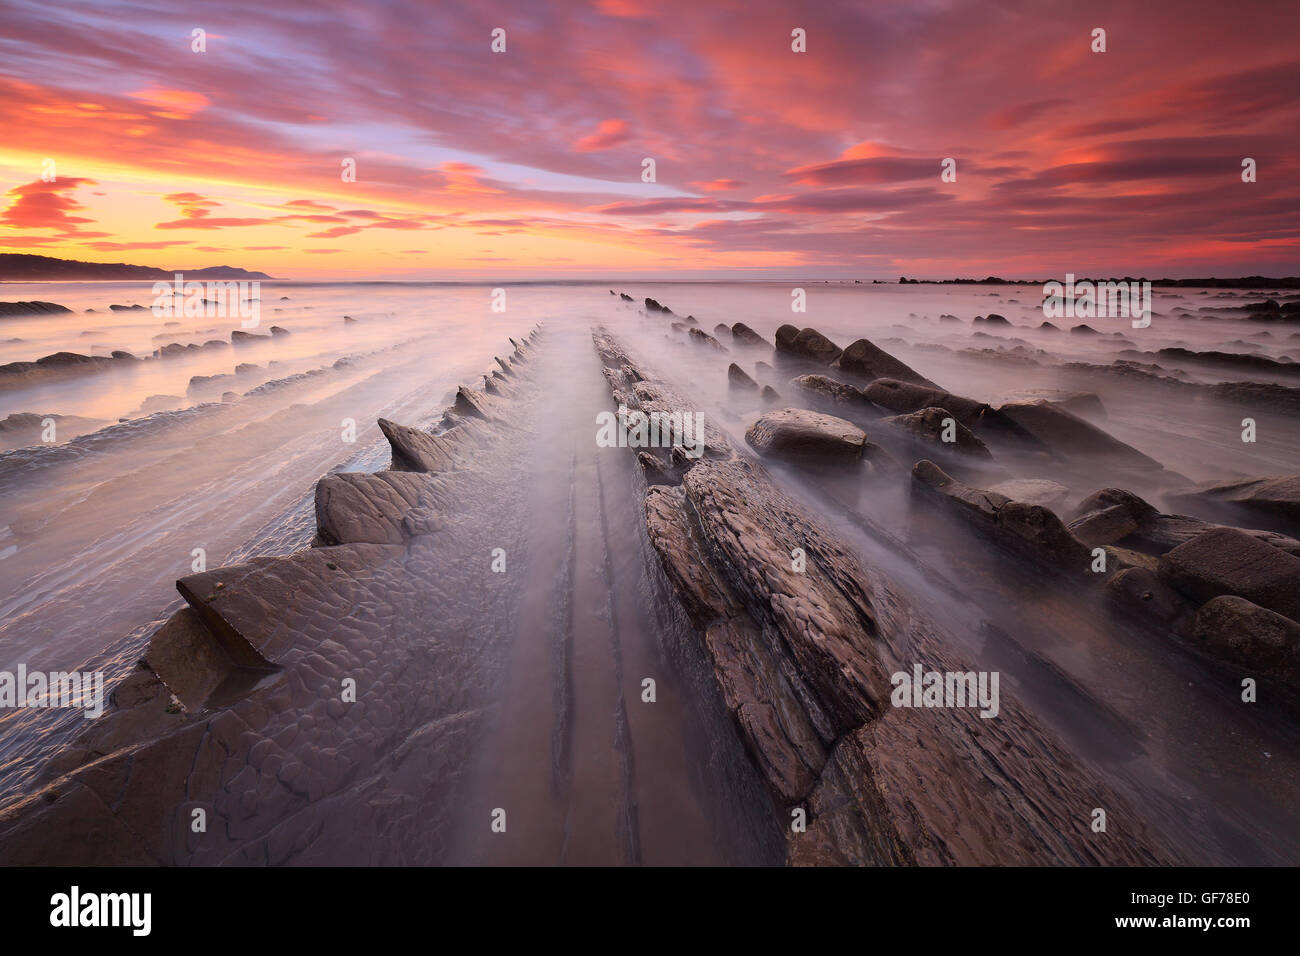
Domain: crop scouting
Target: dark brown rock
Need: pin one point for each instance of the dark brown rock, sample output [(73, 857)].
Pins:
[(811, 344), (1067, 435), (802, 437), (864, 358), (743, 334), (699, 335), (1031, 531), (824, 392), (1257, 641), (739, 379), (1277, 498), (785, 337), (906, 397), (1228, 561), (34, 307), (1141, 594), (930, 424)]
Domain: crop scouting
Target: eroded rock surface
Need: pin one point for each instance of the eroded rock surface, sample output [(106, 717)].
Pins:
[(802, 657), (864, 358), (264, 741), (807, 438)]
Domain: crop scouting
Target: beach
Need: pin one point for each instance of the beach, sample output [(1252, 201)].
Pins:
[(947, 465)]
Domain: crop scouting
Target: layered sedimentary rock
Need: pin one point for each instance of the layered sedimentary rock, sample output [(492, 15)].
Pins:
[(744, 335), (316, 707), (1275, 498), (1119, 517), (803, 640), (1031, 531), (1067, 435), (826, 393), (9, 309), (806, 343), (804, 437), (905, 397), (864, 358), (931, 425)]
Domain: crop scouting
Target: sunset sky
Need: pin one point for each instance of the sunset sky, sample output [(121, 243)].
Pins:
[(769, 163)]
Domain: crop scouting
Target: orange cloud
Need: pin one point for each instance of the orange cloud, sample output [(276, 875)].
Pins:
[(173, 104), (42, 205)]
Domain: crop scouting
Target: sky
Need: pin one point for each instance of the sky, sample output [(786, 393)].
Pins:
[(123, 143)]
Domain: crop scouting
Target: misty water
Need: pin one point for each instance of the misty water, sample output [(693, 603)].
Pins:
[(96, 526)]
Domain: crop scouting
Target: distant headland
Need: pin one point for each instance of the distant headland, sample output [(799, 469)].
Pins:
[(19, 267)]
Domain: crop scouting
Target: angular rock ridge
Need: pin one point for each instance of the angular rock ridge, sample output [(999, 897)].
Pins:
[(930, 425), (1227, 595), (1030, 531), (907, 397), (1114, 516), (237, 709), (743, 334), (1275, 498), (867, 359), (802, 658)]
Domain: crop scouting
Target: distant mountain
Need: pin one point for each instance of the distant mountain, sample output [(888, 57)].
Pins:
[(16, 267)]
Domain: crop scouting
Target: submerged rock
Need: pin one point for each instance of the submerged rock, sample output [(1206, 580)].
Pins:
[(416, 450), (1247, 636), (286, 769), (1119, 517), (358, 507), (798, 654), (699, 335)]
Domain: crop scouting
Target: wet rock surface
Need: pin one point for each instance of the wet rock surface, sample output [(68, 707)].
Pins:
[(932, 425), (1227, 561), (826, 393), (905, 397), (808, 438), (864, 358), (1031, 531), (1275, 498), (801, 658), (806, 343), (266, 744)]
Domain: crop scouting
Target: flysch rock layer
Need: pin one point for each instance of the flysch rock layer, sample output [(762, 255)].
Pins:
[(232, 743), (803, 662)]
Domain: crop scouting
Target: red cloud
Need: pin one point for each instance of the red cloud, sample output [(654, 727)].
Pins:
[(717, 185), (611, 132), (42, 205)]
